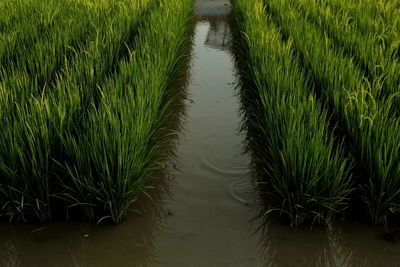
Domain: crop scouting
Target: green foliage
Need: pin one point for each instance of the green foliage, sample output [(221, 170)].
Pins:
[(117, 149), (375, 54), (371, 129), (83, 99), (290, 134)]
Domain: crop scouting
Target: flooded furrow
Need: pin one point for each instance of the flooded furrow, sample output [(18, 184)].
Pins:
[(213, 199)]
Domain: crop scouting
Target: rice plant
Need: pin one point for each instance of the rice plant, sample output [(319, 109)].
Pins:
[(371, 131), (378, 58), (48, 120), (372, 17), (118, 148), (290, 135), (31, 125)]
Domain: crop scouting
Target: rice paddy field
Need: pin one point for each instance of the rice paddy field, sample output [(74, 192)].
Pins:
[(199, 133), (84, 95), (326, 81)]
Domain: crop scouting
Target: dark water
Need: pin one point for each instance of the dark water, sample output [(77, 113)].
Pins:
[(209, 225), (203, 214)]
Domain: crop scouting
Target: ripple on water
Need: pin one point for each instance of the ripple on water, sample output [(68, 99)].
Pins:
[(222, 153)]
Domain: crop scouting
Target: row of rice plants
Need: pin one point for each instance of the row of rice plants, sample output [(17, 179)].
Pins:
[(371, 16), (120, 144), (379, 59), (371, 132), (36, 70), (11, 12), (32, 126), (292, 140), (37, 21), (34, 157), (16, 88), (28, 66)]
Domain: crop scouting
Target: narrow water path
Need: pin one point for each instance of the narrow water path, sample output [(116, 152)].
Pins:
[(212, 195)]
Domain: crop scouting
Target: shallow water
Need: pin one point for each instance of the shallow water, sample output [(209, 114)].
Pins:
[(210, 221), (203, 215)]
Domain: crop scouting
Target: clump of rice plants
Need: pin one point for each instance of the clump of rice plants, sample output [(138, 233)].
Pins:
[(371, 130), (31, 125), (381, 18), (75, 99), (290, 134), (377, 57), (118, 147)]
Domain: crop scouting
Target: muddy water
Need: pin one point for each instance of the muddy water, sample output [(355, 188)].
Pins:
[(211, 205), (202, 213)]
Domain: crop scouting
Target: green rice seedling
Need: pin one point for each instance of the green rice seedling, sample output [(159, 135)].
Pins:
[(372, 133), (37, 23), (290, 134), (43, 61), (35, 122), (377, 58), (119, 145), (24, 188), (79, 88), (371, 17), (11, 13), (29, 67)]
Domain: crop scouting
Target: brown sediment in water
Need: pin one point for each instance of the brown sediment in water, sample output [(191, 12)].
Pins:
[(201, 212)]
